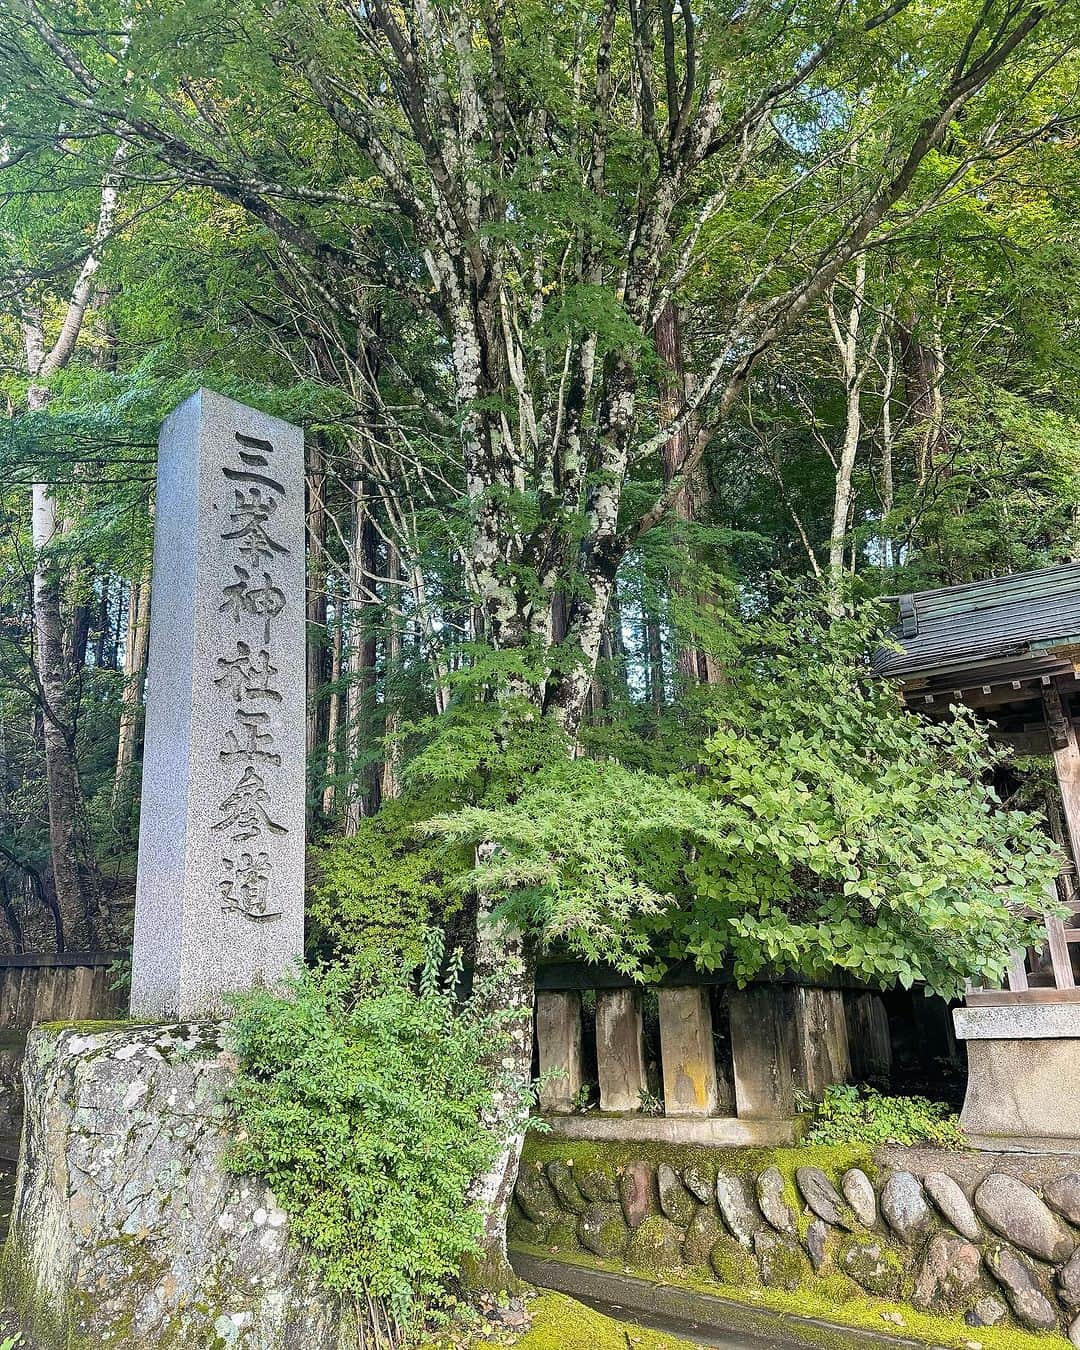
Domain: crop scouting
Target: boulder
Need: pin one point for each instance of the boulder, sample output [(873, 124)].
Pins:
[(772, 1202), (873, 1267), (1017, 1278), (597, 1183), (953, 1205), (733, 1265), (523, 1230), (822, 1197), (816, 1236), (949, 1271), (676, 1202), (1012, 1209), (564, 1184), (1074, 1332), (563, 1235), (780, 1259), (699, 1181), (534, 1194), (859, 1192), (602, 1231), (636, 1193), (1063, 1195), (1068, 1282), (704, 1232), (904, 1207), (987, 1312), (738, 1210), (655, 1245)]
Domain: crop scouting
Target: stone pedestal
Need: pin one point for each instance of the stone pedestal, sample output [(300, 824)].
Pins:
[(761, 1052), (558, 1039), (1023, 1091), (821, 1056), (620, 1050), (692, 1086), (126, 1231)]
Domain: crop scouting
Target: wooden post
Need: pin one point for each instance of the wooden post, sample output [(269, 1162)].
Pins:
[(620, 1050), (691, 1083), (1066, 751), (558, 1038), (868, 1036), (821, 1055), (1063, 742), (761, 1053)]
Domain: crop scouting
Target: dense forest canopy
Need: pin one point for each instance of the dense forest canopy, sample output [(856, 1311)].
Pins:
[(639, 345)]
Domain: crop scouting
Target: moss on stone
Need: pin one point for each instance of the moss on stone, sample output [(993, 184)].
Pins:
[(88, 1027), (874, 1265), (732, 1264), (655, 1246)]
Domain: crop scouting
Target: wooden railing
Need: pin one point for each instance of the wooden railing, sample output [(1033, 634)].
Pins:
[(719, 1053)]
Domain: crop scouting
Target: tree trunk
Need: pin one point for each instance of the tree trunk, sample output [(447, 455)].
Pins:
[(363, 798), (333, 716), (504, 980), (696, 666), (136, 651), (390, 781), (888, 482), (923, 364), (66, 808), (316, 596)]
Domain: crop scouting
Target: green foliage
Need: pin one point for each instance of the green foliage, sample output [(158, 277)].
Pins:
[(378, 891), (819, 824), (361, 1100), (861, 1115)]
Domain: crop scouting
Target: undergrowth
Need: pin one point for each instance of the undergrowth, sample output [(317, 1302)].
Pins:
[(361, 1098), (862, 1115)]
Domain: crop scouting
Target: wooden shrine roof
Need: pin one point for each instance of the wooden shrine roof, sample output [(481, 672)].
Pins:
[(1004, 629)]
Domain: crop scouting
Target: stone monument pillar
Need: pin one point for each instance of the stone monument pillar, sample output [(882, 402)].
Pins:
[(220, 895)]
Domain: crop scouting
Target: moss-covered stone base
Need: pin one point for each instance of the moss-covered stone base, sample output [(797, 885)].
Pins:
[(127, 1231), (779, 1231)]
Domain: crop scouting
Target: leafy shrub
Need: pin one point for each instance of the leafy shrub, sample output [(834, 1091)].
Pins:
[(852, 1115), (360, 1099), (815, 824), (377, 892)]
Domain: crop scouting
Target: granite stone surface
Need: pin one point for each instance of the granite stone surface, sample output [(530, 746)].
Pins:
[(220, 888)]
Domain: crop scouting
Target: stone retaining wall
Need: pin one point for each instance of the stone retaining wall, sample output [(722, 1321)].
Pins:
[(1000, 1253), (127, 1230)]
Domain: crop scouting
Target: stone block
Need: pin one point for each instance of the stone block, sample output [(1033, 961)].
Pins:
[(620, 1050), (692, 1086), (558, 1038), (1023, 1089), (821, 1056), (220, 889), (126, 1231), (761, 1053)]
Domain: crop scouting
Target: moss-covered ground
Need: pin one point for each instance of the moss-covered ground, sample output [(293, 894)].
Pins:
[(837, 1300), (561, 1323)]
